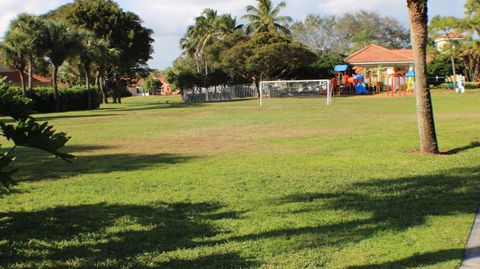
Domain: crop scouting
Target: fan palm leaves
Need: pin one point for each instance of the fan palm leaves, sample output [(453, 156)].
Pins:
[(208, 27), (62, 43), (266, 18), (13, 55), (34, 31)]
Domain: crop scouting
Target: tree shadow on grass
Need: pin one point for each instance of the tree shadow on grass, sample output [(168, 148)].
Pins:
[(417, 260), (405, 202), (474, 144), (151, 106), (113, 236), (36, 165), (396, 205), (390, 206), (46, 117)]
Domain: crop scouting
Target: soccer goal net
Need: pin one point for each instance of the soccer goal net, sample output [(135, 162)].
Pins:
[(296, 88)]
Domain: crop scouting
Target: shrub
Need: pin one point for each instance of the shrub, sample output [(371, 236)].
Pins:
[(468, 85), (75, 98), (472, 85)]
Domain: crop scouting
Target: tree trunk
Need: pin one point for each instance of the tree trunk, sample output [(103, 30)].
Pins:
[(30, 76), (453, 66), (418, 28), (97, 77), (102, 90), (89, 91), (55, 88), (257, 86), (22, 81)]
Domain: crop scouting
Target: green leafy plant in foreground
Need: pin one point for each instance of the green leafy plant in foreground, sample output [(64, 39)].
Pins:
[(26, 132)]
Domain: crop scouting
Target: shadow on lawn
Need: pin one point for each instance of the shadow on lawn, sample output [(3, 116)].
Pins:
[(37, 165), (425, 259), (113, 236), (46, 117), (474, 144), (394, 205), (151, 106)]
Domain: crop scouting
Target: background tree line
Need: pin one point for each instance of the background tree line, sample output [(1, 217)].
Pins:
[(217, 50), (463, 54), (84, 42)]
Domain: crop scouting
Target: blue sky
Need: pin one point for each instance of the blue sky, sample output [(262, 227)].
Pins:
[(170, 18)]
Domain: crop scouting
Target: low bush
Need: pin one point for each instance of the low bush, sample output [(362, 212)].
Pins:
[(472, 85), (75, 98), (468, 85)]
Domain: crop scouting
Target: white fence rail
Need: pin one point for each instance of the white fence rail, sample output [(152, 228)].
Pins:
[(219, 93)]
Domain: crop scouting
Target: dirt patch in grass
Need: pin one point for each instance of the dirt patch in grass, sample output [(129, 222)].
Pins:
[(219, 139)]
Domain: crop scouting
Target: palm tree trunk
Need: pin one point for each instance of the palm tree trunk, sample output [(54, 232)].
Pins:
[(22, 81), (426, 123), (102, 90), (30, 76), (55, 88), (89, 91)]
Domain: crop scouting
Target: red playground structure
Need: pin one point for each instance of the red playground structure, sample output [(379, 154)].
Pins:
[(396, 83)]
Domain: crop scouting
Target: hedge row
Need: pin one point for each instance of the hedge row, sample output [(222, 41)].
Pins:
[(468, 85), (75, 98)]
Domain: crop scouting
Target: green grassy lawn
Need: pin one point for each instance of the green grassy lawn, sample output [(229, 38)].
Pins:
[(229, 185)]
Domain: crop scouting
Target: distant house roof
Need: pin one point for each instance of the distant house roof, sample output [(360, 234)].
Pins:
[(375, 54), (451, 35), (14, 77)]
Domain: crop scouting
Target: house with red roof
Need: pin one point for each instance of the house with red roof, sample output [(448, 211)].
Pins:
[(138, 88), (376, 63), (447, 39), (13, 77)]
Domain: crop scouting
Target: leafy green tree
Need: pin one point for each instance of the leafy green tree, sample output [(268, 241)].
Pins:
[(472, 12), (417, 10), (465, 52), (124, 33), (152, 84), (24, 131), (267, 56), (441, 65), (265, 17), (61, 43)]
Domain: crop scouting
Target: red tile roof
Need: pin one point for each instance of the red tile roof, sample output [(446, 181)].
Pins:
[(14, 77), (452, 35), (378, 54)]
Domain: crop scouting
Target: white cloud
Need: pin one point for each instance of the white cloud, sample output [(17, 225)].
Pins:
[(9, 9)]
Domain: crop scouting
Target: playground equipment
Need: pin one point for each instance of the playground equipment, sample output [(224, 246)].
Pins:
[(460, 85), (359, 84), (410, 81), (396, 82)]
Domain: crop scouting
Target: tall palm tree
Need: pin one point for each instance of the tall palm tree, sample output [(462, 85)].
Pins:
[(208, 27), (265, 18), (62, 43), (87, 52), (14, 55), (189, 44), (33, 29), (419, 32)]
